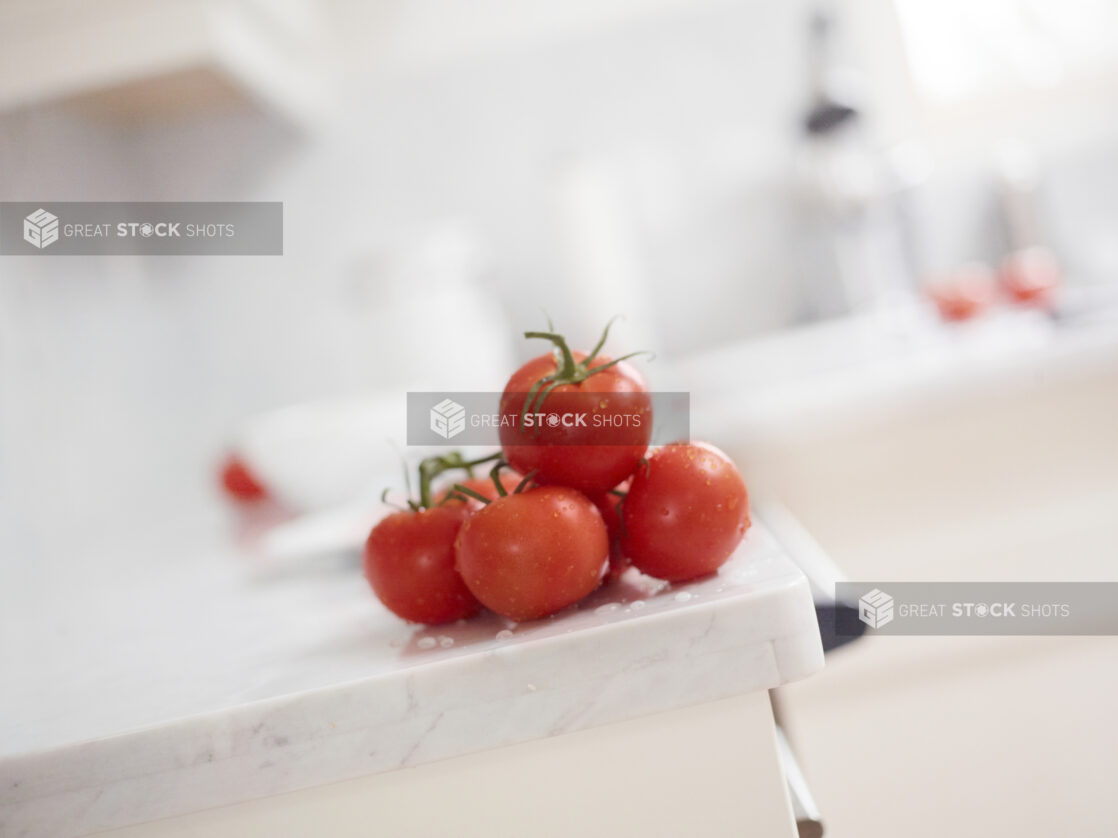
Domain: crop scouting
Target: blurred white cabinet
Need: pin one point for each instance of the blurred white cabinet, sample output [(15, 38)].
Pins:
[(620, 779), (142, 59)]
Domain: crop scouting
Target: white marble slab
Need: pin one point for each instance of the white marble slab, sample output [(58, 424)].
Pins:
[(154, 691)]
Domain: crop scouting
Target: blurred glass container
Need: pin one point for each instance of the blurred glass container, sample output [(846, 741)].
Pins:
[(857, 254)]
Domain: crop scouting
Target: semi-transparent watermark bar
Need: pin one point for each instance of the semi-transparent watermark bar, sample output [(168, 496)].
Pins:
[(557, 418), (978, 608), (59, 228)]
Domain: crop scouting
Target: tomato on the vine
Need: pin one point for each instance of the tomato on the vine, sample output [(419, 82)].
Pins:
[(575, 419), (685, 512), (533, 553), (609, 505), (409, 555), (409, 561)]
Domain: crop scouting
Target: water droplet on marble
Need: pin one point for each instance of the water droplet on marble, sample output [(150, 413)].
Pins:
[(637, 605), (504, 634), (608, 608), (684, 596), (427, 643), (531, 688), (446, 642)]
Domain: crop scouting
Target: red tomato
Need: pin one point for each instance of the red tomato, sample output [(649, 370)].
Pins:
[(528, 555), (609, 505), (239, 482), (484, 487), (963, 295), (1030, 276), (591, 454), (685, 513), (409, 562)]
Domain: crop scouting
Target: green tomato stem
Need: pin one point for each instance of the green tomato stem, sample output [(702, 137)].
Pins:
[(432, 467), (567, 369), (466, 490)]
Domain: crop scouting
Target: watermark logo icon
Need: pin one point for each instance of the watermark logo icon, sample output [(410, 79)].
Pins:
[(40, 228), (448, 419), (875, 609)]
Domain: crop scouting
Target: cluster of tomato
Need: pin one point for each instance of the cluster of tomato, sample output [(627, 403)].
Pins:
[(565, 506), (1029, 278)]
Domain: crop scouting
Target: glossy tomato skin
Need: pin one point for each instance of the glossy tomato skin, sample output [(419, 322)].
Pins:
[(409, 562), (531, 554), (609, 505), (591, 458), (685, 512)]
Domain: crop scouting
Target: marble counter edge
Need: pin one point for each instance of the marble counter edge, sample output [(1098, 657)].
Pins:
[(448, 707)]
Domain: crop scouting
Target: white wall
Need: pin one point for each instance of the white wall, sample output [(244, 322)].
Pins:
[(123, 376)]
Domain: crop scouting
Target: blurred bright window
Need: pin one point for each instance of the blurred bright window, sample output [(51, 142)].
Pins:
[(967, 49)]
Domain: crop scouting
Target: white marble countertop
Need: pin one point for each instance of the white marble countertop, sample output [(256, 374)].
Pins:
[(145, 689)]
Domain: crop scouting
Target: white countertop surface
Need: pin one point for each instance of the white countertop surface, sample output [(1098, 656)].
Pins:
[(148, 687)]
